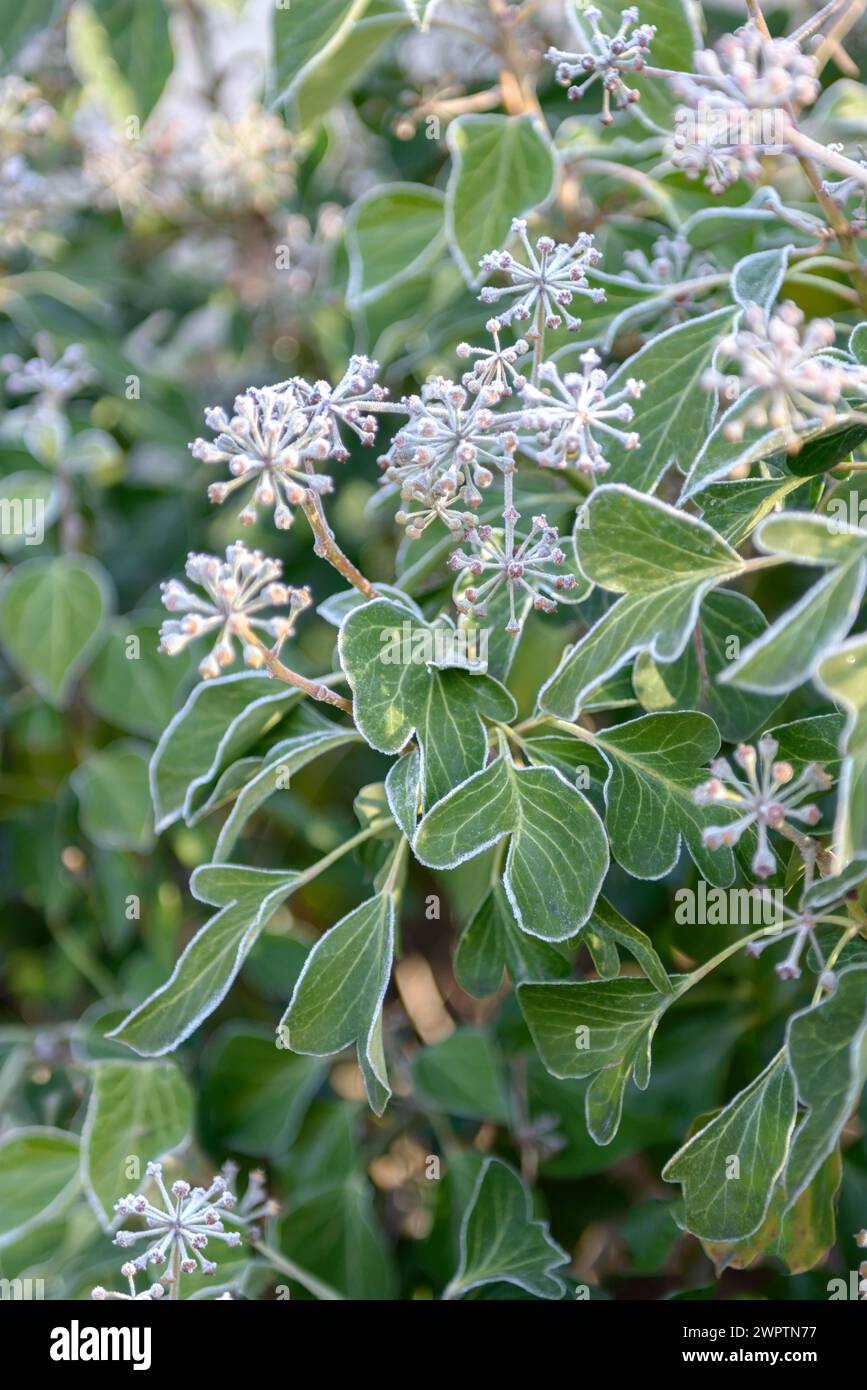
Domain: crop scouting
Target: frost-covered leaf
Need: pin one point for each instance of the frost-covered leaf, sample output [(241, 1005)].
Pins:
[(246, 899), (51, 616), (388, 658), (220, 721), (843, 675), (792, 647), (758, 278), (502, 1242), (826, 1047), (673, 410), (558, 854), (135, 1108), (338, 998), (492, 941), (502, 167), (729, 621), (305, 32), (612, 928), (324, 84), (598, 1028), (729, 1169), (392, 234), (662, 561), (274, 774)]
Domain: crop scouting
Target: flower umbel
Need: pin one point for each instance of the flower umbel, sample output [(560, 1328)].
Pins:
[(794, 384), (129, 1272), (566, 419), (178, 1232), (494, 367), (50, 379), (616, 54), (237, 589), (526, 567), (748, 69), (768, 796), (547, 284)]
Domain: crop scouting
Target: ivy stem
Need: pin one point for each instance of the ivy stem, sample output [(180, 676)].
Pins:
[(326, 547), (308, 1281), (315, 689)]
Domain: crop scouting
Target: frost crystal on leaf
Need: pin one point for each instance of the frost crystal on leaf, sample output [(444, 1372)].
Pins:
[(615, 54), (237, 588), (546, 285)]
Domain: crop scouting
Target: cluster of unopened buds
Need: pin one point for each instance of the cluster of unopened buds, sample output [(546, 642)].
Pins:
[(544, 288), (750, 70), (613, 56), (278, 434), (798, 927), (768, 796), (564, 420), (495, 367), (793, 381), (238, 590), (525, 567), (50, 379)]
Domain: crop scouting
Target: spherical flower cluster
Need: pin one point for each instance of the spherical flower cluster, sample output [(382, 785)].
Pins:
[(615, 54), (237, 590), (546, 285), (565, 420), (702, 145), (750, 70), (178, 1232), (277, 434), (494, 367), (525, 566), (800, 931), (795, 385), (673, 261), (51, 380), (247, 162), (768, 797), (448, 448)]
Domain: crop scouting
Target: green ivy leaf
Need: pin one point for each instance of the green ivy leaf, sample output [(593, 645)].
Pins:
[(492, 941), (758, 278), (247, 898), (502, 167), (463, 1075), (395, 698), (135, 1108), (51, 615), (662, 561), (38, 1178), (392, 234), (352, 53), (729, 1169), (656, 763), (255, 1094), (610, 926), (791, 649), (826, 1049), (334, 1233), (843, 676), (558, 854), (114, 797), (129, 683), (338, 998), (502, 1242), (305, 32), (673, 410), (221, 720), (598, 1028)]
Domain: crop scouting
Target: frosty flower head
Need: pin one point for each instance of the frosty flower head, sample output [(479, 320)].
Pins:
[(525, 567), (613, 56), (24, 116), (799, 929), (51, 380), (703, 145), (247, 162), (129, 1272), (177, 1233), (348, 403), (783, 362), (748, 69), (494, 367), (450, 444), (767, 795), (544, 287), (238, 590), (566, 420)]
